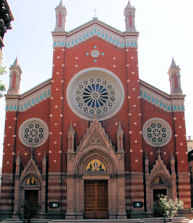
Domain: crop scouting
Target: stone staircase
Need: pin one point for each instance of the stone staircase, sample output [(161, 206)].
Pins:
[(145, 220)]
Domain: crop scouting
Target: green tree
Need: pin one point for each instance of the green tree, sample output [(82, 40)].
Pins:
[(166, 207), (2, 86)]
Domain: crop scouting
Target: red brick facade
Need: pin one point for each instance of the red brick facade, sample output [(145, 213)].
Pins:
[(57, 169)]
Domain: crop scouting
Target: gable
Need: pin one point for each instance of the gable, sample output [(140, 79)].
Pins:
[(29, 99), (99, 29), (95, 135), (160, 99)]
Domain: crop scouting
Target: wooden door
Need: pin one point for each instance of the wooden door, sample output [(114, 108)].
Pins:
[(31, 203), (96, 199)]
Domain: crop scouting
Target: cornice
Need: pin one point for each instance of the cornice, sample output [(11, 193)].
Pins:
[(95, 28), (166, 102), (30, 98)]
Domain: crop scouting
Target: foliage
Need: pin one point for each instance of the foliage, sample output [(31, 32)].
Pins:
[(2, 86), (2, 70), (166, 207)]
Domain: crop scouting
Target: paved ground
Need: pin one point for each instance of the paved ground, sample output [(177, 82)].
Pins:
[(146, 220)]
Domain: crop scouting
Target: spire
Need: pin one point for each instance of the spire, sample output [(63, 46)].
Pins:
[(14, 78), (120, 130), (173, 64), (15, 63), (60, 17), (71, 139), (129, 13), (174, 77), (120, 134), (61, 3), (128, 4), (71, 130)]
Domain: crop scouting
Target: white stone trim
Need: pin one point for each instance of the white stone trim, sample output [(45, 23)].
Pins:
[(168, 105), (98, 30), (164, 124), (43, 125), (110, 75), (25, 103)]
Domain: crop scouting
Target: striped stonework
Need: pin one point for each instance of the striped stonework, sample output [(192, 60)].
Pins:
[(162, 101), (29, 99), (7, 195), (99, 29)]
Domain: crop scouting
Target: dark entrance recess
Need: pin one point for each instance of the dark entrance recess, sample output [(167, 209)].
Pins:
[(96, 199), (157, 193), (31, 203)]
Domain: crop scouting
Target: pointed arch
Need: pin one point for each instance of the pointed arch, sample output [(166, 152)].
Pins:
[(95, 145), (31, 169), (159, 182)]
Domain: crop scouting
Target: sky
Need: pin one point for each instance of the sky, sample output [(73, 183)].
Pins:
[(165, 28)]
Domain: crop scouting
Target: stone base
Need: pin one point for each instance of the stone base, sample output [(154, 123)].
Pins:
[(73, 216), (137, 214)]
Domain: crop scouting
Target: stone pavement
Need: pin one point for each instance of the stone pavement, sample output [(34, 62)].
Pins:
[(145, 220)]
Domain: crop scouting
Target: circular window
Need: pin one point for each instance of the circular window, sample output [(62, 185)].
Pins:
[(157, 132), (95, 94), (33, 132), (95, 53)]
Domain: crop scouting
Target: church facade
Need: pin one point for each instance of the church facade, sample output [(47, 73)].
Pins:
[(94, 141)]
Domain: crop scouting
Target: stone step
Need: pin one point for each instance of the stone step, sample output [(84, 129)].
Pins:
[(145, 220), (22, 221)]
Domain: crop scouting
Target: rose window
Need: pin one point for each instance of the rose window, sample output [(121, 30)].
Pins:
[(95, 94), (33, 132), (157, 132)]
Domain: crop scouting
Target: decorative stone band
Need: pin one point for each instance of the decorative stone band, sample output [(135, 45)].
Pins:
[(27, 102), (161, 102), (95, 30)]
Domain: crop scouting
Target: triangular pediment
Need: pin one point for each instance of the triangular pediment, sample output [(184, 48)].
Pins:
[(95, 21), (95, 28), (95, 136), (31, 168), (160, 169)]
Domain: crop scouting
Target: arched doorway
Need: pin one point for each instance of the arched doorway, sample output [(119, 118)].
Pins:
[(30, 196), (96, 192), (95, 189), (95, 171)]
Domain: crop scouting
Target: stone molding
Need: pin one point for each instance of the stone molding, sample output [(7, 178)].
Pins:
[(77, 163), (33, 132), (169, 180), (157, 133), (29, 99), (103, 138), (99, 29), (109, 83), (160, 99)]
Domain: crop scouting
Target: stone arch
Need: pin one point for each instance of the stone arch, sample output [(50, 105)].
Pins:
[(94, 152), (77, 161), (29, 180), (159, 181)]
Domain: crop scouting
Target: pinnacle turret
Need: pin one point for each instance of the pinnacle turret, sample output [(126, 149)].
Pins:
[(174, 77), (129, 13), (173, 64), (60, 17), (15, 78)]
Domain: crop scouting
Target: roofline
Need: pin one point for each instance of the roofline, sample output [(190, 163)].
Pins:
[(160, 92), (29, 92), (99, 22)]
